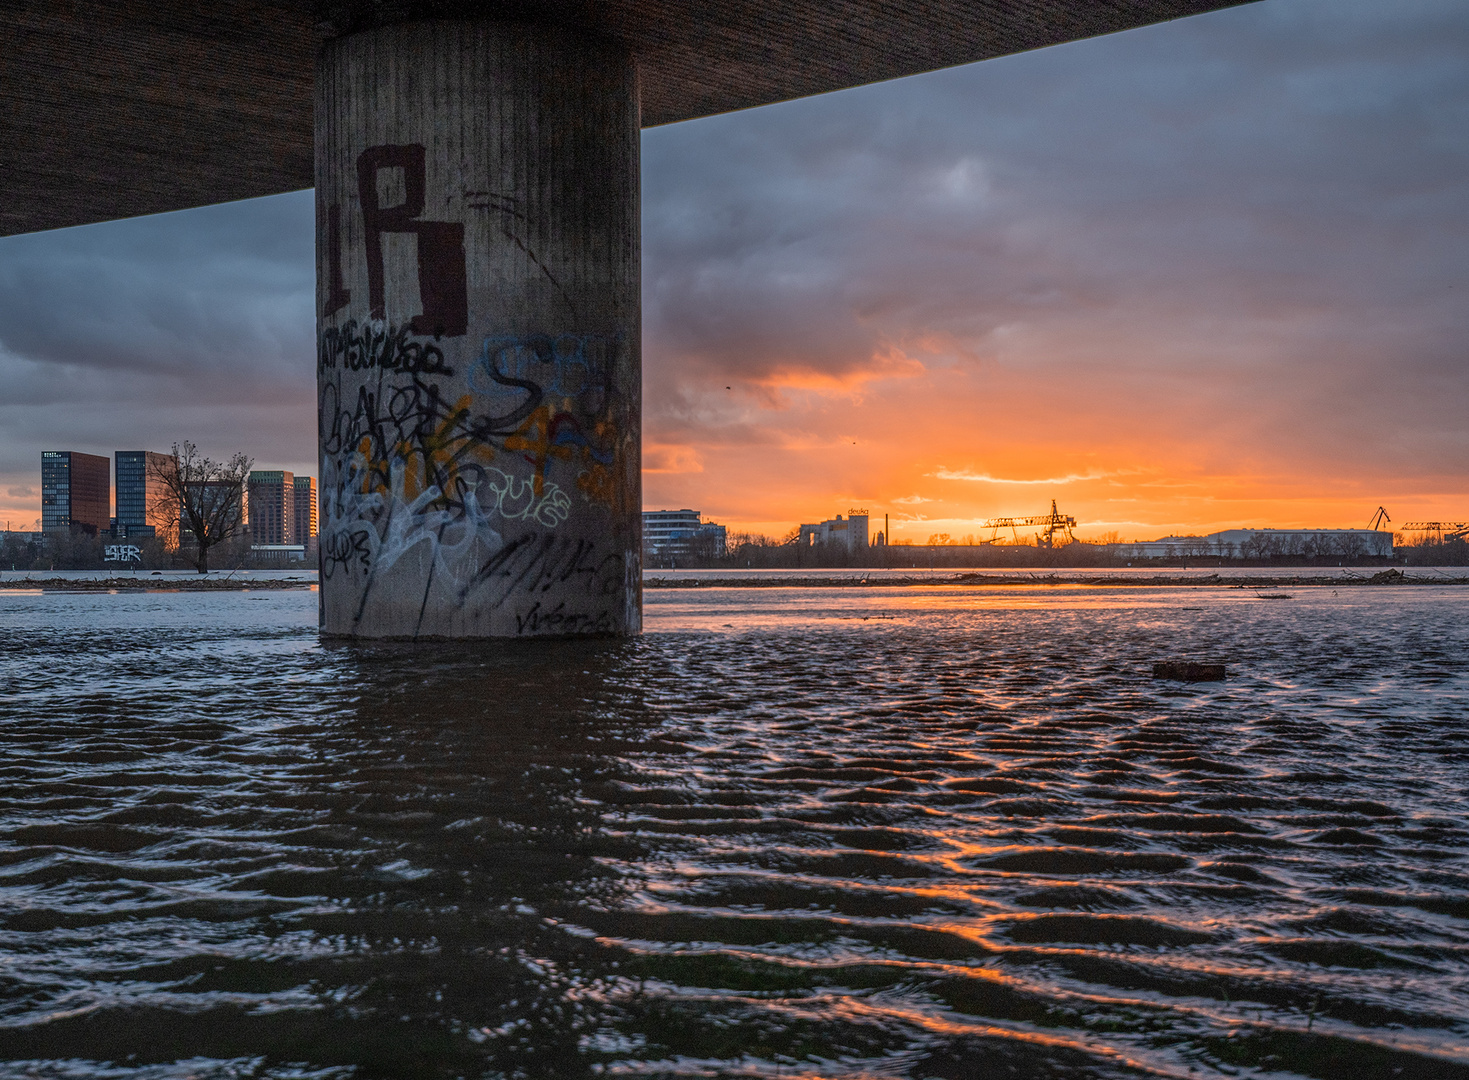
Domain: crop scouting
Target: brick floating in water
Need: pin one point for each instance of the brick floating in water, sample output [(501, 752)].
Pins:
[(1185, 672)]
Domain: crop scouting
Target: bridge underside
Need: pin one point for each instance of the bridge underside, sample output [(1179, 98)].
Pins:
[(115, 108)]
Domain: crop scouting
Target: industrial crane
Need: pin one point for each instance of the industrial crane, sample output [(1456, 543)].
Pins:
[(1052, 525), (1446, 530), (1379, 519)]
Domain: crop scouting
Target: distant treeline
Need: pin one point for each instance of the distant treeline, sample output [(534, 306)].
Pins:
[(79, 551), (1428, 551), (30, 551), (765, 553)]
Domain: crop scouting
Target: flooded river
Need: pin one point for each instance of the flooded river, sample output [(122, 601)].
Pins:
[(907, 832)]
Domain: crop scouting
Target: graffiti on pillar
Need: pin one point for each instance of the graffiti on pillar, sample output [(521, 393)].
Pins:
[(571, 376), (441, 268), (575, 366), (406, 468), (377, 345), (539, 411), (562, 619), (515, 499), (470, 467), (338, 296), (532, 564), (548, 436)]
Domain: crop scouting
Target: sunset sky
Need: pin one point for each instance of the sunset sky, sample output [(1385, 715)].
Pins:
[(1196, 276)]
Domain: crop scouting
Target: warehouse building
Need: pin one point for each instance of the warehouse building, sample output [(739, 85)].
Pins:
[(1266, 544)]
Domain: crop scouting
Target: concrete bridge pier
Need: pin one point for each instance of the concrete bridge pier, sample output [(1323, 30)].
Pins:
[(478, 327)]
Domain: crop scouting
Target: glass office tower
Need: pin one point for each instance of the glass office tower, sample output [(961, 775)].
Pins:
[(305, 509), (272, 507), (142, 495), (76, 492)]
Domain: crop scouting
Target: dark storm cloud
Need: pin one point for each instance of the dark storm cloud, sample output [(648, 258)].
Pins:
[(1295, 171), (227, 289), (195, 325)]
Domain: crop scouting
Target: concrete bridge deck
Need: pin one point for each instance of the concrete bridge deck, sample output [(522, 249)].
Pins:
[(128, 107)]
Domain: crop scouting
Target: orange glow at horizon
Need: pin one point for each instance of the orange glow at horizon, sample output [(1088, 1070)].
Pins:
[(941, 448)]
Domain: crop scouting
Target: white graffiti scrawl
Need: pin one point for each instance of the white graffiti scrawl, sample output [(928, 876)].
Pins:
[(515, 499), (377, 528)]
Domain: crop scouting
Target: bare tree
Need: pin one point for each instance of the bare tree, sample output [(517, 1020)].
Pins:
[(205, 497)]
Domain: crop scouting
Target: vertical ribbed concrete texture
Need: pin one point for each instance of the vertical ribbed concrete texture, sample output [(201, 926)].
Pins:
[(478, 333)]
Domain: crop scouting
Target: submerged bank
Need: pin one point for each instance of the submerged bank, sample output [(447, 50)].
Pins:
[(785, 580), (154, 584), (1385, 577)]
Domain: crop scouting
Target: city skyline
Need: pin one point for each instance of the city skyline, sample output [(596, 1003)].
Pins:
[(127, 476), (1201, 275), (113, 482)]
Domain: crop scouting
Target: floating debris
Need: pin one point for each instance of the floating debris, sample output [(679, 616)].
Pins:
[(1183, 671)]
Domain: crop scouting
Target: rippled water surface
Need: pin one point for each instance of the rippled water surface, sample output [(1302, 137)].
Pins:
[(921, 832)]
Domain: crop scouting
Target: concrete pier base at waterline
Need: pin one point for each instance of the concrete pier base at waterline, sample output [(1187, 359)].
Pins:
[(478, 362)]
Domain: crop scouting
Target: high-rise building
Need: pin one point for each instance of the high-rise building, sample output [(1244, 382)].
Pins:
[(272, 507), (76, 492), (143, 501), (305, 509)]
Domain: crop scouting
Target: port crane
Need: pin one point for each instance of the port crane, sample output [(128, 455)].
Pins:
[(1052, 525), (1446, 530), (1379, 519)]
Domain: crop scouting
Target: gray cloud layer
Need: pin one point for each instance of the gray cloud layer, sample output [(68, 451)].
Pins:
[(195, 325), (1282, 183)]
